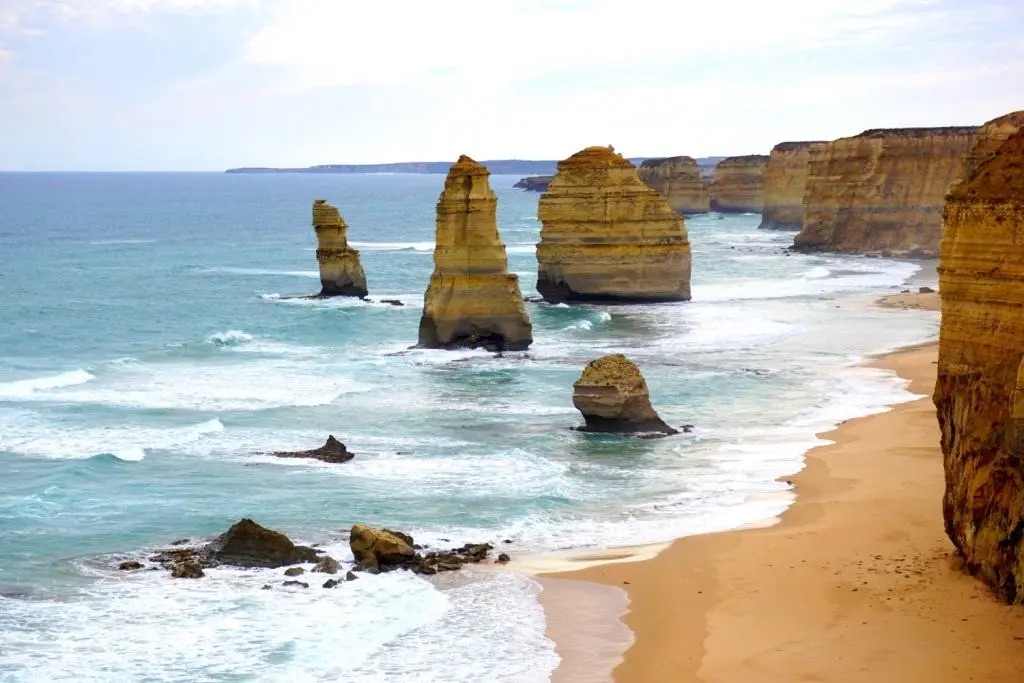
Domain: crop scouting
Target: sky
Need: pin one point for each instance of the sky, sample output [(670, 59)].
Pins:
[(212, 84)]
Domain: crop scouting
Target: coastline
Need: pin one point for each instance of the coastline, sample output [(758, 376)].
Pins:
[(857, 580)]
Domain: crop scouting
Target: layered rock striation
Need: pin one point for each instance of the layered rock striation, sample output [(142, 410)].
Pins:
[(679, 180), (612, 396), (605, 236), (738, 186), (979, 393), (882, 192), (341, 273), (785, 180), (472, 299)]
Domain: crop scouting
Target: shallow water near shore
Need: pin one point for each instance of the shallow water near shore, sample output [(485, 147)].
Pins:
[(150, 355)]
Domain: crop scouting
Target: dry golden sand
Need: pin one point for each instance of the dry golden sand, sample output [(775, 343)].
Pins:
[(926, 301), (856, 583)]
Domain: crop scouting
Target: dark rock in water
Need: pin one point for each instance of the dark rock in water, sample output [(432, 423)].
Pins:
[(507, 540), (686, 428), (503, 558), (536, 183), (393, 302), (925, 290), (351, 576), (265, 587), (327, 565), (333, 451), (129, 566), (298, 584), (190, 569), (247, 544), (331, 583), (180, 541), (294, 571)]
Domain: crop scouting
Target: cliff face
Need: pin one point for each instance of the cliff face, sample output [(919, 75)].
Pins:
[(341, 273), (606, 236), (785, 179), (979, 394), (882, 191), (738, 186), (678, 179), (472, 299)]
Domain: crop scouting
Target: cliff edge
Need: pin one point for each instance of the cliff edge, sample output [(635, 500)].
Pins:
[(738, 186)]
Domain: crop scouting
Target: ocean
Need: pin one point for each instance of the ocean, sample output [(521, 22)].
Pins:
[(150, 358)]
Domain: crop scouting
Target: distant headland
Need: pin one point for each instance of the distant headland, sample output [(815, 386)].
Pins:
[(497, 167)]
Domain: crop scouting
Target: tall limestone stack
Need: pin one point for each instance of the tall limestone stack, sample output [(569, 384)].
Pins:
[(472, 300), (341, 273), (606, 236), (738, 186), (785, 179), (881, 192), (678, 180), (979, 394)]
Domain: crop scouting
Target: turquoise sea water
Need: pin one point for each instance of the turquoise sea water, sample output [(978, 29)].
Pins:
[(148, 357)]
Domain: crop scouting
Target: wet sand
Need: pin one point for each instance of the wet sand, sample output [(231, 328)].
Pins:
[(857, 582)]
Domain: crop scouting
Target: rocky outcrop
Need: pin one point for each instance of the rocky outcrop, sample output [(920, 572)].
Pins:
[(333, 451), (341, 273), (612, 395), (472, 299), (979, 393), (785, 180), (380, 550), (738, 186), (881, 192), (607, 237), (678, 179), (535, 183)]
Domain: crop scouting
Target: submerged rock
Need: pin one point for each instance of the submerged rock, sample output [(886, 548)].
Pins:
[(472, 300), (327, 565), (129, 566), (341, 273), (333, 451), (612, 396), (247, 544)]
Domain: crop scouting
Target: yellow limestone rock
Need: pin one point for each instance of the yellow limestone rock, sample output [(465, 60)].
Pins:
[(979, 393), (606, 236), (612, 395), (881, 192), (472, 300), (738, 186), (341, 273), (678, 180), (785, 179)]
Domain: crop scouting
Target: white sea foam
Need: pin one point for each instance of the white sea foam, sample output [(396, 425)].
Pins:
[(229, 338), (113, 242), (26, 388)]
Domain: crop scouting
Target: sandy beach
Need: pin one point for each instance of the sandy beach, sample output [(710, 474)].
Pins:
[(857, 582)]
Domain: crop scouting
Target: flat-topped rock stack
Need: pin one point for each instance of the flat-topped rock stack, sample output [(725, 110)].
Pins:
[(882, 191), (608, 237), (612, 396), (738, 186), (472, 300), (979, 393), (341, 273), (785, 180), (679, 180)]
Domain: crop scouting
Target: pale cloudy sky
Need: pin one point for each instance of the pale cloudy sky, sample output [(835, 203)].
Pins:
[(208, 84)]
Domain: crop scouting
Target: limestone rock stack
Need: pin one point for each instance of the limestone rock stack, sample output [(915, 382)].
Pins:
[(882, 191), (612, 395), (979, 394), (678, 180), (738, 186), (785, 179), (606, 236), (341, 273), (472, 299)]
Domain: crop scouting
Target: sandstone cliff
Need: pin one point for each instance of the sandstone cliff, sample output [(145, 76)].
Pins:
[(341, 273), (678, 179), (785, 179), (738, 186), (472, 299), (979, 394), (882, 191), (606, 236), (612, 396)]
